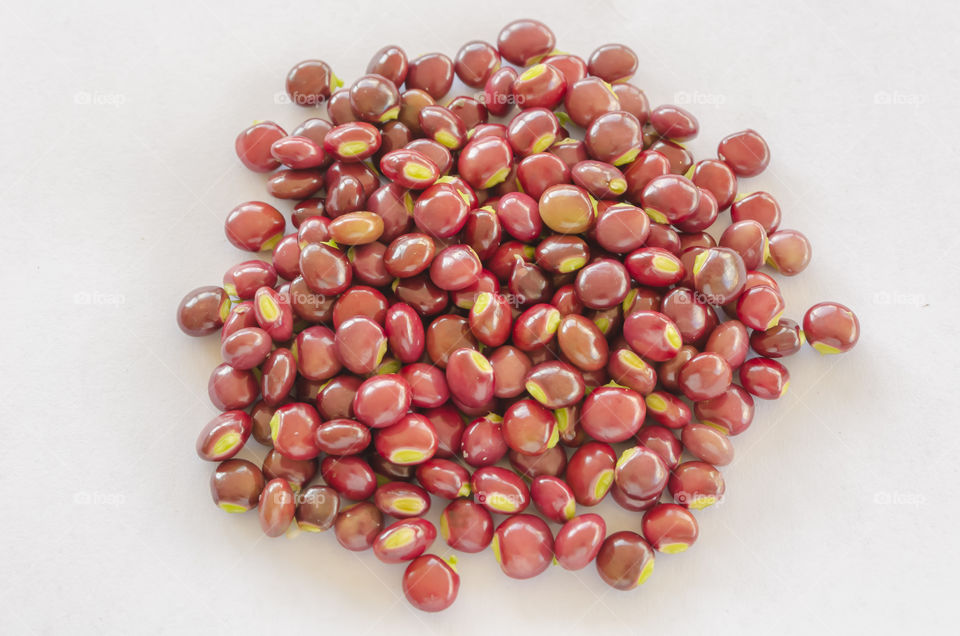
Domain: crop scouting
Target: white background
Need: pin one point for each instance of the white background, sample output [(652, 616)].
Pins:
[(117, 170)]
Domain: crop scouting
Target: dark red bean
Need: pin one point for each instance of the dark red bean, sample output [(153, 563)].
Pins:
[(485, 161), (647, 166), (466, 526), (276, 507), (612, 414), (231, 389), (293, 430), (536, 327), (588, 99), (401, 500), (311, 82), (602, 284), (717, 178), (482, 443), (627, 368), (525, 42), (443, 126), (382, 400), (539, 171), (253, 146), (551, 462), (431, 584), (641, 473), (261, 413), (350, 476), (654, 267), (404, 540), (428, 385), (241, 316), (500, 490), (757, 206), (315, 353), (475, 62), (707, 443), (614, 137), (731, 411), (719, 274), (582, 343), (391, 63), (490, 319), (375, 99), (325, 269), (224, 436), (440, 211), (760, 307), (831, 327), (445, 335), (613, 63), (432, 73), (317, 508), (298, 152), (335, 399), (746, 152), (555, 384), (652, 335), (360, 344), (529, 428), (510, 368), (696, 485), (667, 409), (674, 123), (590, 472), (353, 141), (455, 267), (764, 378), (705, 376), (670, 528), (533, 130), (730, 342), (784, 339), (358, 526), (579, 541), (625, 560), (342, 437), (409, 255), (444, 478), (790, 252), (236, 485), (296, 472), (410, 441), (553, 498), (540, 86), (254, 226), (203, 311), (663, 442), (523, 546)]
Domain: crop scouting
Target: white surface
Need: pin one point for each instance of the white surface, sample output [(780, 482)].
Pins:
[(116, 173)]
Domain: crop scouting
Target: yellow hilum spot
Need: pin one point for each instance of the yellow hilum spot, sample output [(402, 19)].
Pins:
[(227, 442), (533, 72), (233, 508), (446, 138), (268, 308), (544, 142), (536, 391), (418, 171), (604, 481), (656, 403), (407, 456), (665, 264), (645, 573), (674, 548), (351, 148), (399, 538), (497, 177)]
